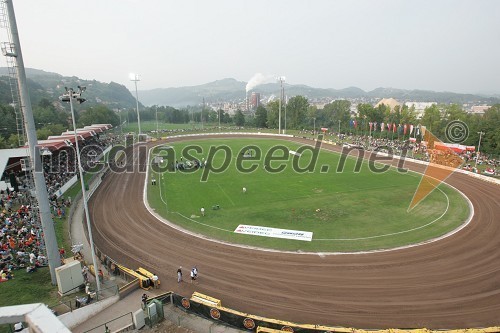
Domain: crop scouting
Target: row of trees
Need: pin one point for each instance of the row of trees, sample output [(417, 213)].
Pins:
[(50, 119), (337, 116), (297, 114)]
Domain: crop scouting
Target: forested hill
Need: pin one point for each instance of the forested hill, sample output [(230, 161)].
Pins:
[(50, 86), (116, 96)]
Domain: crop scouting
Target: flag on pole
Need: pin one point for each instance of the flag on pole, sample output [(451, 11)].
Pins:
[(393, 127), (371, 125), (411, 129), (382, 127), (405, 128)]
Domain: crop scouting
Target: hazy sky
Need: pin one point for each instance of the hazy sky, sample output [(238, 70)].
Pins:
[(439, 45)]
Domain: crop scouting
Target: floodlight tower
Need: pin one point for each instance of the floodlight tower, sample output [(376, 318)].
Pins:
[(68, 97), (13, 51), (481, 133), (280, 79), (135, 78)]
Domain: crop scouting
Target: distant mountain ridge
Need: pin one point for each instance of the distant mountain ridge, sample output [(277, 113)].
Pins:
[(49, 85), (42, 84), (232, 90)]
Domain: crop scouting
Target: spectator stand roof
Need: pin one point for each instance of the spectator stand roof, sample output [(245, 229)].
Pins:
[(47, 146), (104, 126), (83, 132), (7, 154), (70, 138)]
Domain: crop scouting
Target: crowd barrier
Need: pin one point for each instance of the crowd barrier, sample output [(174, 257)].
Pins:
[(212, 309)]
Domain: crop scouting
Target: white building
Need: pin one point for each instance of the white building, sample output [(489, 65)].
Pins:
[(479, 109), (419, 107)]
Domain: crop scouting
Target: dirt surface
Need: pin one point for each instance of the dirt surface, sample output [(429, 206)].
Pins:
[(451, 283)]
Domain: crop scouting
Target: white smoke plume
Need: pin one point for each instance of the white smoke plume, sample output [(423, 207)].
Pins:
[(258, 79)]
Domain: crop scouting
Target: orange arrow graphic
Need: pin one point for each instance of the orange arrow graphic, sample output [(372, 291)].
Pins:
[(443, 162)]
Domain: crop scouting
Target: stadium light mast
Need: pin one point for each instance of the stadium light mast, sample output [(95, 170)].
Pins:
[(479, 145), (13, 51), (280, 79), (135, 78), (68, 97), (157, 133)]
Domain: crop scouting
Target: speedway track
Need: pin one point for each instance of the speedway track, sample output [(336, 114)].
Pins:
[(451, 283)]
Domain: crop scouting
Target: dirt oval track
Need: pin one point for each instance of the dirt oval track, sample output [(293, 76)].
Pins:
[(452, 283)]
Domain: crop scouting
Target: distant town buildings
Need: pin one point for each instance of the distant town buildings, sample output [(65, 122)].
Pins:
[(255, 100), (390, 102), (419, 107), (478, 109)]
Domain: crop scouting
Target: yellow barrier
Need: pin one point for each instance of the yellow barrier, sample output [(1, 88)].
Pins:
[(207, 300), (204, 299), (144, 282), (144, 272)]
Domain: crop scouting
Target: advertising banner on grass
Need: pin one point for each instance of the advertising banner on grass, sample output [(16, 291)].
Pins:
[(274, 232)]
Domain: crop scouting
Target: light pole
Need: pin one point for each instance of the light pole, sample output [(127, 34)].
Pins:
[(218, 116), (157, 134), (339, 128), (314, 126), (135, 78), (16, 55), (479, 145), (281, 79), (68, 97), (121, 124), (286, 102)]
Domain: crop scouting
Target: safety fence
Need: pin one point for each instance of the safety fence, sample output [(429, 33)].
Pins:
[(122, 323), (79, 299), (210, 308)]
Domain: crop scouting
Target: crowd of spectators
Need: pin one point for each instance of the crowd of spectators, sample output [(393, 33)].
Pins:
[(61, 165), (21, 245), (20, 237), (466, 160)]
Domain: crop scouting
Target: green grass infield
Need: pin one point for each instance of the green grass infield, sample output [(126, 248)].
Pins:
[(346, 210)]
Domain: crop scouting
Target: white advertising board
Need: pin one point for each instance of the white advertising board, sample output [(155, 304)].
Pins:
[(274, 232)]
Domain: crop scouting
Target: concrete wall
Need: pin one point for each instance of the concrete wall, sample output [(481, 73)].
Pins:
[(78, 316)]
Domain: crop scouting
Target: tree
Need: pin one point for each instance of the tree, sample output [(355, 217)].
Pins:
[(273, 114), (454, 112), (432, 118), (239, 118), (98, 115), (261, 117), (3, 143), (335, 111), (408, 115), (297, 111)]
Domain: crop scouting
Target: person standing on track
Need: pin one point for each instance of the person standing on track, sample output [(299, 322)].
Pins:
[(179, 275)]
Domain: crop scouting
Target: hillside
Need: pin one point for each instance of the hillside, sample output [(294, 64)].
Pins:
[(233, 90), (48, 85), (116, 96)]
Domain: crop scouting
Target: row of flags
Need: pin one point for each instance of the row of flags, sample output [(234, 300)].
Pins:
[(405, 129)]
